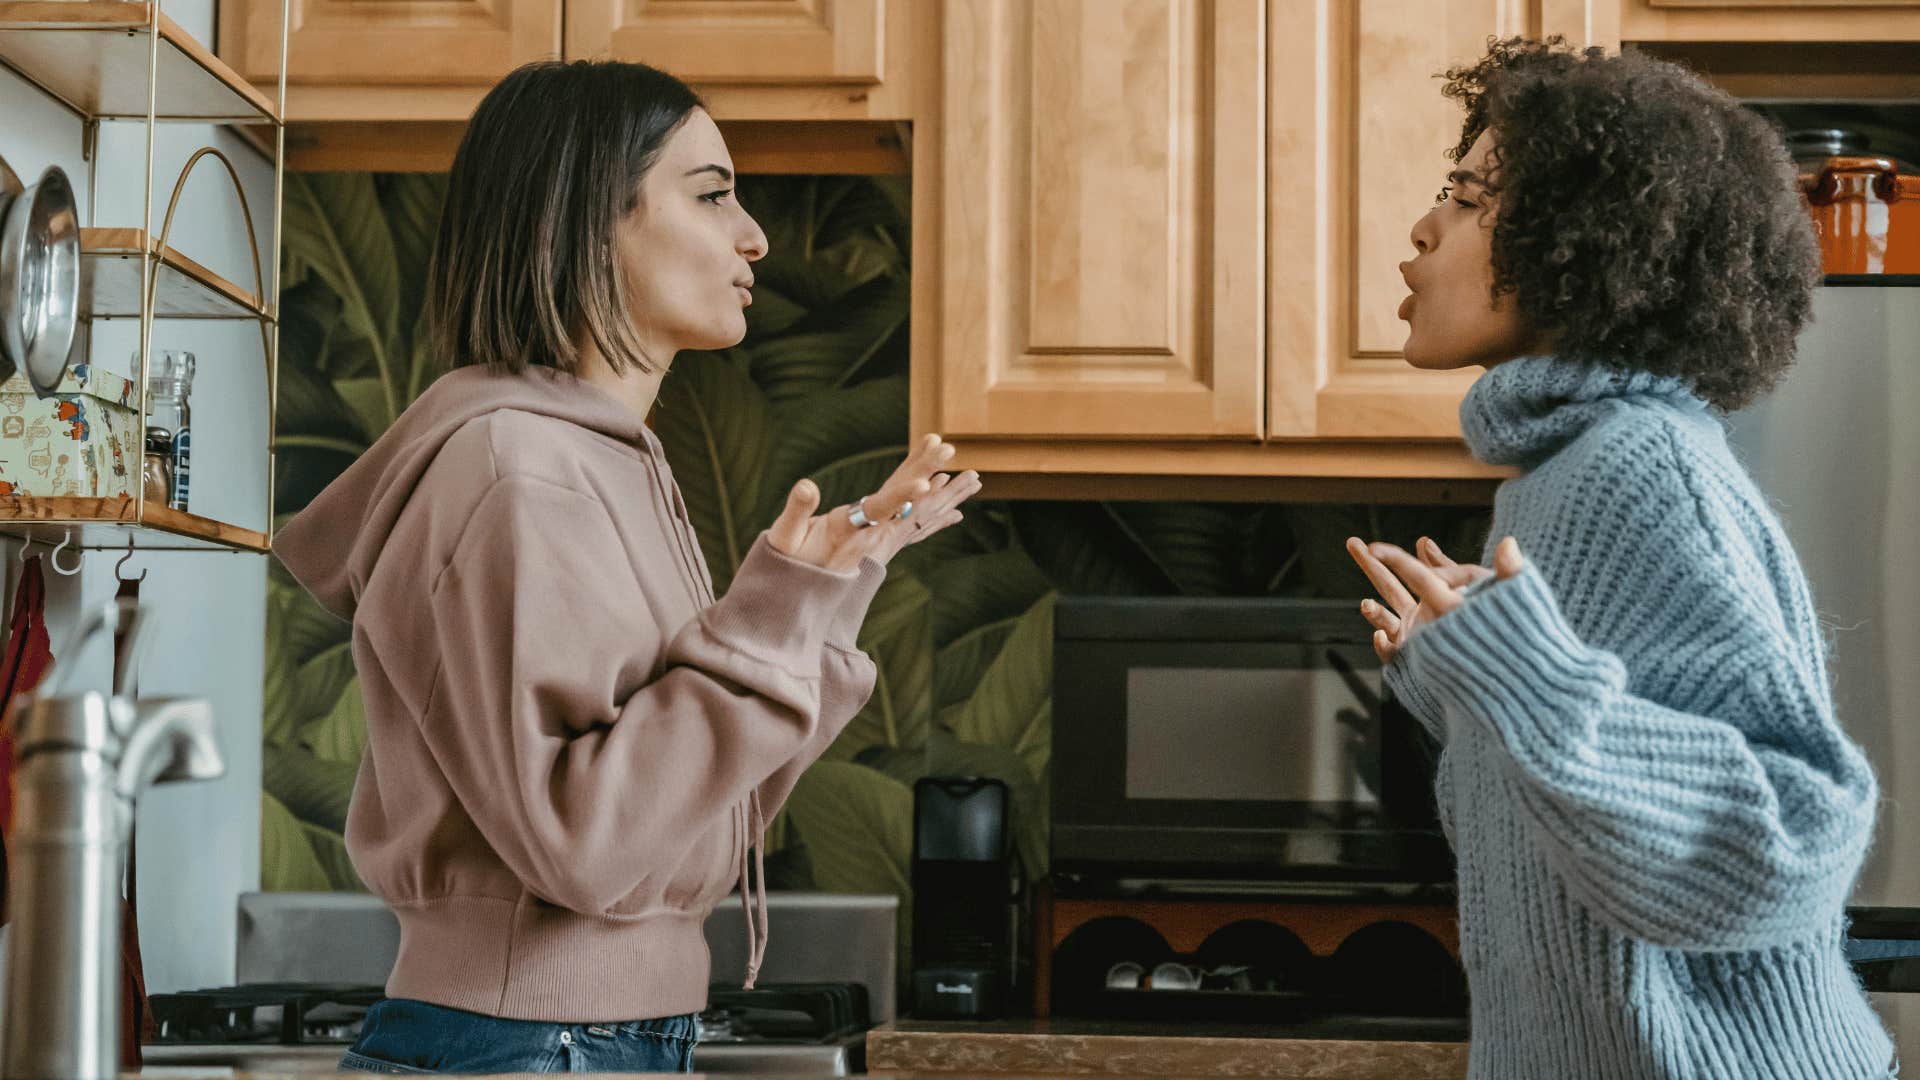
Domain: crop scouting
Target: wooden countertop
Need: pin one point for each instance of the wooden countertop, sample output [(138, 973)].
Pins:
[(1351, 1048), (182, 1072)]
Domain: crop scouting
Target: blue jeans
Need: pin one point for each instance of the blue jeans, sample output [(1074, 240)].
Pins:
[(406, 1036)]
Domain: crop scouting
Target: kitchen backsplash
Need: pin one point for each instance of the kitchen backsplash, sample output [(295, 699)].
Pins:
[(961, 631)]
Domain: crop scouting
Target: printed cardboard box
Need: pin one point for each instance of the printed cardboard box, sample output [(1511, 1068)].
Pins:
[(81, 440)]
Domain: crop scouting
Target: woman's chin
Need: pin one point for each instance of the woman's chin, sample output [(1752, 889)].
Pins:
[(723, 335), (1419, 354)]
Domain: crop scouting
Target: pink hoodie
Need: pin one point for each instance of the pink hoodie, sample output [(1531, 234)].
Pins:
[(570, 744)]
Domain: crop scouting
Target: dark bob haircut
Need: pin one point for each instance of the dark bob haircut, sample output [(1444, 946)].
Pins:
[(1646, 220), (524, 261)]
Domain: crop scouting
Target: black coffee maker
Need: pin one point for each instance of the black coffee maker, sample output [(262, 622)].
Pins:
[(966, 889)]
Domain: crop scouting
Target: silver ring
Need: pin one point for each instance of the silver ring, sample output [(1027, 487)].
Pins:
[(858, 514), (905, 511)]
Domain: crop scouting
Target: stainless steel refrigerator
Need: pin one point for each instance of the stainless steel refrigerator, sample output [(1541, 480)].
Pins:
[(1837, 450)]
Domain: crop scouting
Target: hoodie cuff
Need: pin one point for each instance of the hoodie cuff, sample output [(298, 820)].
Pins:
[(779, 608), (844, 631)]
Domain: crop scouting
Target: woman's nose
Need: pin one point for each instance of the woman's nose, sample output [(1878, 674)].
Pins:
[(753, 247), (1422, 235)]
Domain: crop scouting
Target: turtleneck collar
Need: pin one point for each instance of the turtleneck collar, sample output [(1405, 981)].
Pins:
[(1520, 412)]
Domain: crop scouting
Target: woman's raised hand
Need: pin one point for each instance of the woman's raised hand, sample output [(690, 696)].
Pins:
[(1418, 591), (917, 501)]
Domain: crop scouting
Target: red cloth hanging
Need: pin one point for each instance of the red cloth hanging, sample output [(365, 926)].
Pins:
[(23, 663)]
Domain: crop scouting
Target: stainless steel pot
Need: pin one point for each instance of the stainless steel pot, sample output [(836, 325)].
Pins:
[(39, 277)]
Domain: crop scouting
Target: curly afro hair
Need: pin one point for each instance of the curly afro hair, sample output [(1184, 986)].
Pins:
[(1646, 220)]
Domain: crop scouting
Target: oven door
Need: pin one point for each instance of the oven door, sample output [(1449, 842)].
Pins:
[(1235, 741)]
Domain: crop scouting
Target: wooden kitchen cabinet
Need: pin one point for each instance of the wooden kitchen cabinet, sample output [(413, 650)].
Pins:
[(1100, 251), (1168, 233), (1357, 152), (1770, 21), (800, 85), (407, 43), (737, 41)]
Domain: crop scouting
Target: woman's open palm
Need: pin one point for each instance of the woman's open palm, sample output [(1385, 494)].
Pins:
[(834, 541)]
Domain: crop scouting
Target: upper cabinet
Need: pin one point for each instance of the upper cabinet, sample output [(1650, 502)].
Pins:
[(413, 43), (1099, 252), (1169, 231), (389, 84), (1770, 21), (841, 42), (1357, 148)]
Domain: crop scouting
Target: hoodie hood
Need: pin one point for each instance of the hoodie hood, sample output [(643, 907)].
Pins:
[(332, 545)]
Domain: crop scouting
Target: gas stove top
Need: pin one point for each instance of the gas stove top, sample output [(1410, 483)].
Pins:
[(812, 1028)]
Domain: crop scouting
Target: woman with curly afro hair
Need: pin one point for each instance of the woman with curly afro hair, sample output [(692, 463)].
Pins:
[(1656, 816)]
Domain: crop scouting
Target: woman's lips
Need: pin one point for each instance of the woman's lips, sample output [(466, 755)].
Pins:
[(746, 295), (1406, 309)]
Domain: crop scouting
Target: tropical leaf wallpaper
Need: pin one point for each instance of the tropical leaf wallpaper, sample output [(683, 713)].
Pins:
[(961, 632)]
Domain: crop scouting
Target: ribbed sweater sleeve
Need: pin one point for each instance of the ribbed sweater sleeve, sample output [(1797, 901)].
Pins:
[(1677, 827)]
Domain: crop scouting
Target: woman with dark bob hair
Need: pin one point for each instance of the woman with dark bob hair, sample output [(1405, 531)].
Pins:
[(1656, 816), (572, 746)]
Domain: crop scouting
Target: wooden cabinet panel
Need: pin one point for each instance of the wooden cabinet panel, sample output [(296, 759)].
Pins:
[(1776, 21), (1100, 237), (389, 42), (737, 41), (1357, 151)]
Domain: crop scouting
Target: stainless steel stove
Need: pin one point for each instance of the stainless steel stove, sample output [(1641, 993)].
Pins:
[(310, 965)]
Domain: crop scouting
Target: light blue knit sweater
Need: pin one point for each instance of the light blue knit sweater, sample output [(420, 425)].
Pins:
[(1657, 818)]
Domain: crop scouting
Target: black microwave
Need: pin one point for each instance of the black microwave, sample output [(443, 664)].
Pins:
[(1220, 744)]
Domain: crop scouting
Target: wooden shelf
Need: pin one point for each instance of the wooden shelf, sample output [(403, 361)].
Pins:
[(100, 524), (92, 55), (110, 281)]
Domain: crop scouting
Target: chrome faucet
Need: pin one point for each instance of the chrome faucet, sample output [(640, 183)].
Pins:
[(83, 760)]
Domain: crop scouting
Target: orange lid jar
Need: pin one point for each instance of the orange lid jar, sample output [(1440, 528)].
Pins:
[(1866, 214)]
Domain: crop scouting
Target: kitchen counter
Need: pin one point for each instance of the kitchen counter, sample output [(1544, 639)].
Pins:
[(187, 1073), (191, 1073), (1350, 1049)]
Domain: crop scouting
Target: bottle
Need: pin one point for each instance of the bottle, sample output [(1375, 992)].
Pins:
[(183, 434), (169, 386), (156, 473)]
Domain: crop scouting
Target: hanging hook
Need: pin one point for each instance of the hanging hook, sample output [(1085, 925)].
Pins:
[(53, 557), (123, 562), (25, 543)]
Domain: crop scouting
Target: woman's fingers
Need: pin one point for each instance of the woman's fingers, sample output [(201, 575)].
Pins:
[(1380, 617), (1431, 554), (912, 480), (1424, 580), (854, 548), (1507, 560), (1384, 582), (790, 528), (953, 491), (1383, 646)]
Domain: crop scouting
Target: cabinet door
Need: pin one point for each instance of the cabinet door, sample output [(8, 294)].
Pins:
[(389, 42), (1100, 235), (1357, 142), (1770, 21), (736, 41)]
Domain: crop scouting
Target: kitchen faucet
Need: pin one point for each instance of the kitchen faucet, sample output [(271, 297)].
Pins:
[(83, 760)]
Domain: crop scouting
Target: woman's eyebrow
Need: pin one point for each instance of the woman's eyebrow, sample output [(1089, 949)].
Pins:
[(725, 173), (1465, 176)]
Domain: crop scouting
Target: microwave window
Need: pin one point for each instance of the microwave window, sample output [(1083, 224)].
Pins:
[(1267, 734)]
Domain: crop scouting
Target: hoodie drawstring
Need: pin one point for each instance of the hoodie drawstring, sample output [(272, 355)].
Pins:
[(753, 893), (753, 887)]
